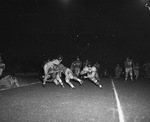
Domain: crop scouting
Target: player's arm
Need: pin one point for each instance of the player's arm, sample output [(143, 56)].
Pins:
[(92, 74), (84, 71)]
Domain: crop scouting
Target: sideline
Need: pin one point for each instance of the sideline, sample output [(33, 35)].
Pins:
[(20, 86), (119, 107)]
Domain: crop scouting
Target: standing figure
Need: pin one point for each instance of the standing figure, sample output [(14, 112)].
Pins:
[(105, 72), (91, 73), (76, 67), (2, 66), (97, 65), (51, 67), (68, 75), (118, 71), (86, 63), (146, 69), (128, 68), (136, 68)]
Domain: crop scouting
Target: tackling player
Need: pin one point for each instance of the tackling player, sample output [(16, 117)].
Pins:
[(51, 67), (91, 73), (68, 75)]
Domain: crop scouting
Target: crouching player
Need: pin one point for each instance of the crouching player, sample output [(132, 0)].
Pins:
[(91, 73), (50, 69), (68, 75)]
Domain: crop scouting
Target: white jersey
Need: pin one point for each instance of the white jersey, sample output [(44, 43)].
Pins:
[(90, 71), (51, 65)]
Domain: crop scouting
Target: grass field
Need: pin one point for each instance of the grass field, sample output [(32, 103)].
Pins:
[(86, 103)]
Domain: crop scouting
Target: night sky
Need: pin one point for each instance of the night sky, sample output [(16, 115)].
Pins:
[(99, 30)]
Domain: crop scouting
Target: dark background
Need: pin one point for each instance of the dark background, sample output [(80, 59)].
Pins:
[(107, 31)]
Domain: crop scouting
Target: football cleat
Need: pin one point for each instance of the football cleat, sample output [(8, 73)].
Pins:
[(100, 86)]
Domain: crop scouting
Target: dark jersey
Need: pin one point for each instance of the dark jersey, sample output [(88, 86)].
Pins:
[(128, 64), (62, 68), (77, 64), (136, 67), (97, 65)]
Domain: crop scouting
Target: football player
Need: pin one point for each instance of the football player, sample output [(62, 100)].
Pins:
[(146, 69), (86, 63), (118, 71), (51, 67), (91, 73), (68, 75), (136, 68), (128, 68), (76, 67)]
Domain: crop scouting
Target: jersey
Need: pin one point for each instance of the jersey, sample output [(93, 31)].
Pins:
[(136, 67), (62, 68), (51, 66), (97, 65), (85, 70), (91, 71), (128, 63), (77, 64), (118, 69)]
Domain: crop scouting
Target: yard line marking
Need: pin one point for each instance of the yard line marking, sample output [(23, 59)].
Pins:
[(29, 84), (20, 86), (119, 107)]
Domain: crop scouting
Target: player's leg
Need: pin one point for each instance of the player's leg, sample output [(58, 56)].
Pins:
[(136, 74), (96, 82), (131, 74), (59, 79), (79, 80), (67, 78), (45, 77), (1, 71), (56, 82), (77, 71), (13, 80), (126, 74), (16, 82), (119, 73), (97, 76), (70, 74), (70, 84)]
